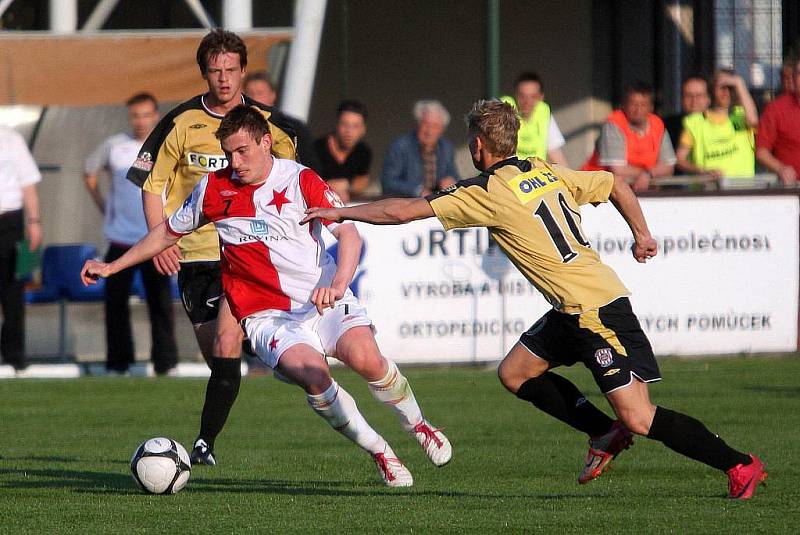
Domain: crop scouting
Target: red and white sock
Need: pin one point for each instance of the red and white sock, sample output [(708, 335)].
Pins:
[(395, 392), (339, 409)]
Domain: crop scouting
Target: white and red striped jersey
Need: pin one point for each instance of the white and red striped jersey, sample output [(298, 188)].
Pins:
[(268, 260)]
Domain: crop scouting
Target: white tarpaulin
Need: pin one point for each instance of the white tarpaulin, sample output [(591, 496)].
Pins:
[(725, 281)]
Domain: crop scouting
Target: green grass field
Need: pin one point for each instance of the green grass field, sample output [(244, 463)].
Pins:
[(65, 447)]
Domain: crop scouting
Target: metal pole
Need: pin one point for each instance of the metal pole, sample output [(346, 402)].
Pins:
[(345, 74), (493, 48), (4, 5), (237, 14), (99, 16), (197, 9), (309, 16), (63, 16)]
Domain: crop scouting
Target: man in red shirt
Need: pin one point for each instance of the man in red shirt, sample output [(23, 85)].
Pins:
[(287, 293), (778, 140)]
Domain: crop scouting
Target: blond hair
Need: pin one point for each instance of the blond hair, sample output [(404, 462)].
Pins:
[(496, 123)]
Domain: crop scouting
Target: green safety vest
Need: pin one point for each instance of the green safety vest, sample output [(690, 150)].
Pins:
[(532, 136), (728, 146)]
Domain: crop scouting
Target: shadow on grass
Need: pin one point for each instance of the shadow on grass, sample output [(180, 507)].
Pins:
[(85, 481), (354, 489), (108, 483), (40, 458), (783, 391)]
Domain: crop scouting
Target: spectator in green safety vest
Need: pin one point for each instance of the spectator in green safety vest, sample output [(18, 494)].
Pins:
[(720, 142), (539, 134), (694, 99)]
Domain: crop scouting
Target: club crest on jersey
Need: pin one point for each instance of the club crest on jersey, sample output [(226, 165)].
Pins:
[(144, 161), (259, 227), (333, 198), (207, 162), (604, 357)]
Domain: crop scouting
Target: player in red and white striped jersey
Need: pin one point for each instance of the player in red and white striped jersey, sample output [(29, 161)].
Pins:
[(289, 295)]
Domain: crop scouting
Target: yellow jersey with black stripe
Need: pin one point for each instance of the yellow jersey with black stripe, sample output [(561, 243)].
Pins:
[(182, 149), (532, 211)]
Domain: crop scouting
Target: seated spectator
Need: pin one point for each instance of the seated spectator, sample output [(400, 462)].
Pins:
[(778, 139), (344, 159), (694, 99), (260, 88), (633, 143), (719, 141), (421, 162), (539, 134)]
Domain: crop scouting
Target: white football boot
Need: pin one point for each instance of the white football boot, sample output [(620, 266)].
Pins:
[(392, 470), (433, 441)]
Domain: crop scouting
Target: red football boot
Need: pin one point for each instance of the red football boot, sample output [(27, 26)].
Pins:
[(743, 479)]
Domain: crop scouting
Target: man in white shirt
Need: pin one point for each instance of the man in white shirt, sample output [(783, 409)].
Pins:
[(125, 225), (19, 219)]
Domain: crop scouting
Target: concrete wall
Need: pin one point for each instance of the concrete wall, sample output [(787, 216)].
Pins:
[(86, 336)]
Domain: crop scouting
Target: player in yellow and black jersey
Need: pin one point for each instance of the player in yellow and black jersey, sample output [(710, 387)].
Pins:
[(532, 211), (179, 152), (182, 149)]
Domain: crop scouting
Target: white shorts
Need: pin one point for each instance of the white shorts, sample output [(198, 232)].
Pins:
[(272, 332)]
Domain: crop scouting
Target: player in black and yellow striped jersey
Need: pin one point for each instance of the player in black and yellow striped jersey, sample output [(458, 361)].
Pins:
[(180, 151), (532, 211)]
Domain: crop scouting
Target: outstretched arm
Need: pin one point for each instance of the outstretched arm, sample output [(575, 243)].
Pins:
[(383, 212), (627, 204), (156, 241)]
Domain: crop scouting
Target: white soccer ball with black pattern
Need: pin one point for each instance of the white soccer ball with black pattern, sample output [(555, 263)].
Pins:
[(160, 466)]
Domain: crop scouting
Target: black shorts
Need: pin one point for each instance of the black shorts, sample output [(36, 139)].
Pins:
[(609, 341), (200, 284)]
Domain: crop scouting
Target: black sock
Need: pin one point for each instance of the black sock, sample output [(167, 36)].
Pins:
[(561, 399), (691, 438), (221, 392)]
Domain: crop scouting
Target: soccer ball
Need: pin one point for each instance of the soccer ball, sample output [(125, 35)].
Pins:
[(160, 466)]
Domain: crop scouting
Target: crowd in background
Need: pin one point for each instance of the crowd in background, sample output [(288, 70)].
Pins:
[(718, 135)]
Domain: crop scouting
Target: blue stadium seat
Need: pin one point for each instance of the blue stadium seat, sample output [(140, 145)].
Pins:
[(61, 265), (137, 288), (173, 284), (57, 262), (137, 285), (70, 260), (61, 283)]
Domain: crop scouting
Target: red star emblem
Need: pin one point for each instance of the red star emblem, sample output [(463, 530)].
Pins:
[(274, 343), (279, 199)]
